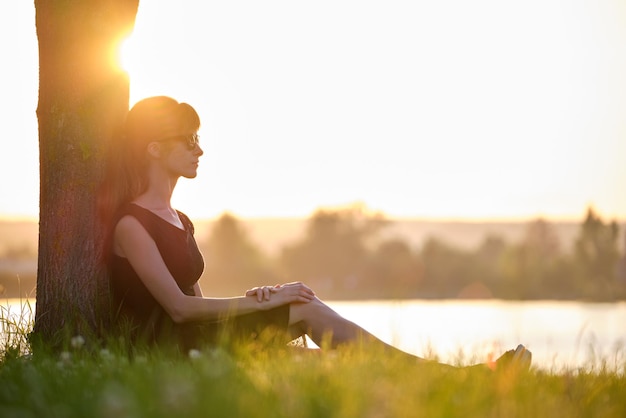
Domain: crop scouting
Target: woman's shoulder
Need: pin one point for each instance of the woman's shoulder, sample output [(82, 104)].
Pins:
[(128, 225), (132, 215)]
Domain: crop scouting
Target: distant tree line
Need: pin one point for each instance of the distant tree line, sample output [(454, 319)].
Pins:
[(342, 255)]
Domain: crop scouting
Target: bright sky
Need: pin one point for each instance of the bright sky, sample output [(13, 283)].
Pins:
[(417, 108)]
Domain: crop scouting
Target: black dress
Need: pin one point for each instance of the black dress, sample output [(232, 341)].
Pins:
[(137, 311)]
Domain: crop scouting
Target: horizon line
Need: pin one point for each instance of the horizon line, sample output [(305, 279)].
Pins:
[(418, 218)]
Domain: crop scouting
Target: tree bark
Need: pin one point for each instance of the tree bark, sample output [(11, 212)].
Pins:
[(83, 98)]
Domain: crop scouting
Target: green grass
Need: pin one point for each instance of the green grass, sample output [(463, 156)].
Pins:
[(15, 324), (251, 381)]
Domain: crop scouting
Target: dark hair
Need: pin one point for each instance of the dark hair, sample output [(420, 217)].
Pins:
[(150, 119)]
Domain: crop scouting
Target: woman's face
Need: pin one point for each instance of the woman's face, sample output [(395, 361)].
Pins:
[(181, 154)]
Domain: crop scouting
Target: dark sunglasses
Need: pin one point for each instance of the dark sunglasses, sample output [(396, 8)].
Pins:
[(191, 141)]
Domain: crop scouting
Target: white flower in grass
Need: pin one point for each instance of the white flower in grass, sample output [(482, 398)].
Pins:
[(77, 341), (194, 354), (105, 354), (64, 359)]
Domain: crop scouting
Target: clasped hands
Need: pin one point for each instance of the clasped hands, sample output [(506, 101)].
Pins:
[(286, 293)]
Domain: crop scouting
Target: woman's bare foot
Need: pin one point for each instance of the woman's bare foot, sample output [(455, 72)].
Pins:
[(520, 358)]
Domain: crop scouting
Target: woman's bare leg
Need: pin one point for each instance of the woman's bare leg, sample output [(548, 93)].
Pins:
[(320, 322), (323, 325)]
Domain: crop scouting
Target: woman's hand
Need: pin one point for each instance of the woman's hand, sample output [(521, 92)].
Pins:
[(295, 292), (262, 293)]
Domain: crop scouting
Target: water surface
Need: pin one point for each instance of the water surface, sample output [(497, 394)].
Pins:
[(560, 334)]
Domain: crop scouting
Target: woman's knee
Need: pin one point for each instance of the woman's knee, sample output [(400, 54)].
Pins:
[(307, 312)]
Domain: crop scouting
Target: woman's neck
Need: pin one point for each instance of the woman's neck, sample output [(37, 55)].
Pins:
[(158, 202), (157, 196)]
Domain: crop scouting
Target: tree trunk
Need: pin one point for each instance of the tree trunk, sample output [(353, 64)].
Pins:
[(83, 98)]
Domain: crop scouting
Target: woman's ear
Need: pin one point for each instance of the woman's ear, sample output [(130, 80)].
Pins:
[(154, 150)]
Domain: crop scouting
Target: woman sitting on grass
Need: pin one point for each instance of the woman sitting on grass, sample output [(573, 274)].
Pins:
[(155, 263)]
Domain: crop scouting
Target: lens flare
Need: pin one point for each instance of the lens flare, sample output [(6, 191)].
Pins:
[(126, 55)]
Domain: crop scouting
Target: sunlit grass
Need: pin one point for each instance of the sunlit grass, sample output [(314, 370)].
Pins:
[(100, 380), (15, 325)]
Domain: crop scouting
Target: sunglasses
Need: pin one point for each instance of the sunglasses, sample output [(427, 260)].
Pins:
[(191, 141)]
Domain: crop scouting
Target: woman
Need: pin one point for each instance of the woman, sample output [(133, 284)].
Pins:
[(155, 263)]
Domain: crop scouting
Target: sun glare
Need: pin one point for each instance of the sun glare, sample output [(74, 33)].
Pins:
[(133, 59), (144, 65), (127, 56)]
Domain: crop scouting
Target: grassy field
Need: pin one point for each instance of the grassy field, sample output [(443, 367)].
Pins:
[(87, 380)]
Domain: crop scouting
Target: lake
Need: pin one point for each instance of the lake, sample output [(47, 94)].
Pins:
[(560, 334)]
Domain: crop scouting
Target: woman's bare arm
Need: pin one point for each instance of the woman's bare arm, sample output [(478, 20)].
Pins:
[(132, 241)]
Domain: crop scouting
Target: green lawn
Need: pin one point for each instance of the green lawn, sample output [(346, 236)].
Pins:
[(87, 380)]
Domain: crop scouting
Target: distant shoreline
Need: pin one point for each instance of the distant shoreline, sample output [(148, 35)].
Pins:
[(271, 233)]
